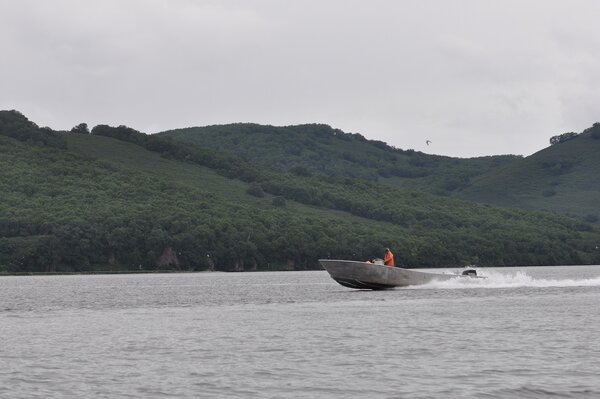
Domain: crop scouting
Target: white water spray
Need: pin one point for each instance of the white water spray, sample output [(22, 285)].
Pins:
[(495, 279)]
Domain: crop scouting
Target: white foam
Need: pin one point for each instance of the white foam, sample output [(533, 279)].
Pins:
[(495, 279)]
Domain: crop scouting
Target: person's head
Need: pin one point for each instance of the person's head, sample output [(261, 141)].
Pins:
[(387, 250)]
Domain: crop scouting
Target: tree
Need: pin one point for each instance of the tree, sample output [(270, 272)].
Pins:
[(595, 129), (561, 138), (278, 201), (82, 128), (256, 190)]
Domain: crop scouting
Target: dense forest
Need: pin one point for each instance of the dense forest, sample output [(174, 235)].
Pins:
[(114, 198), (320, 149), (563, 177)]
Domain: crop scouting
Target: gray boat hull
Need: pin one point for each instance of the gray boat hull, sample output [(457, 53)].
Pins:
[(364, 275)]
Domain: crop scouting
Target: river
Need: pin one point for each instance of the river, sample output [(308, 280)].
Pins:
[(522, 332)]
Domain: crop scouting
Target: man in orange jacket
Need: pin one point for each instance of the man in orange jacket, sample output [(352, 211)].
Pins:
[(388, 258)]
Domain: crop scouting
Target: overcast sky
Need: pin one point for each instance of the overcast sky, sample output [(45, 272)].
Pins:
[(477, 77)]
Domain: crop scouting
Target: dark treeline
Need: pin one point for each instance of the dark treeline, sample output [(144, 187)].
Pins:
[(16, 125), (62, 211)]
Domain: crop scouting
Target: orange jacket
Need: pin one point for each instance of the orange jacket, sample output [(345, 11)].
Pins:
[(388, 258)]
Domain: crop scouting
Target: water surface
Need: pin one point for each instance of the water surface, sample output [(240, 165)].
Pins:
[(522, 332)]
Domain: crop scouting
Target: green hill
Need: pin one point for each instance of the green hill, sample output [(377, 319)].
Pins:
[(118, 199), (320, 149), (564, 177)]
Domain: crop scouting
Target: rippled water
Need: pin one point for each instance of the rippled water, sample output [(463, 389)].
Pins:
[(527, 332)]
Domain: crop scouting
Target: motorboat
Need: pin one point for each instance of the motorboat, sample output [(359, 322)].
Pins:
[(377, 276)]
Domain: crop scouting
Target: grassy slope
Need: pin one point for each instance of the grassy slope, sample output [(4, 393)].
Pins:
[(564, 177), (321, 149), (185, 175), (132, 157)]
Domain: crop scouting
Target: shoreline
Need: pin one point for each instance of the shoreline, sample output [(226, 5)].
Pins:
[(109, 272)]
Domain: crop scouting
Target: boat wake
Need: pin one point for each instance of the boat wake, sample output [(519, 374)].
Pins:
[(495, 279)]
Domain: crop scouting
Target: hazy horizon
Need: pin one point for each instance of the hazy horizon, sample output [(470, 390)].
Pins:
[(475, 78)]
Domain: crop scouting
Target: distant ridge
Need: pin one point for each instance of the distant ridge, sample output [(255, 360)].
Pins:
[(321, 149), (564, 177)]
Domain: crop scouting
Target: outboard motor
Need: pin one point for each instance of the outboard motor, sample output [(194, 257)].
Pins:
[(470, 273)]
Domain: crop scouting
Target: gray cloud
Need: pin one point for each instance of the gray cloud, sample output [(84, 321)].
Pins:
[(474, 77)]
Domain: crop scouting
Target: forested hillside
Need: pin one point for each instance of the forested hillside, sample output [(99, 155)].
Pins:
[(564, 177), (320, 149), (117, 199)]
